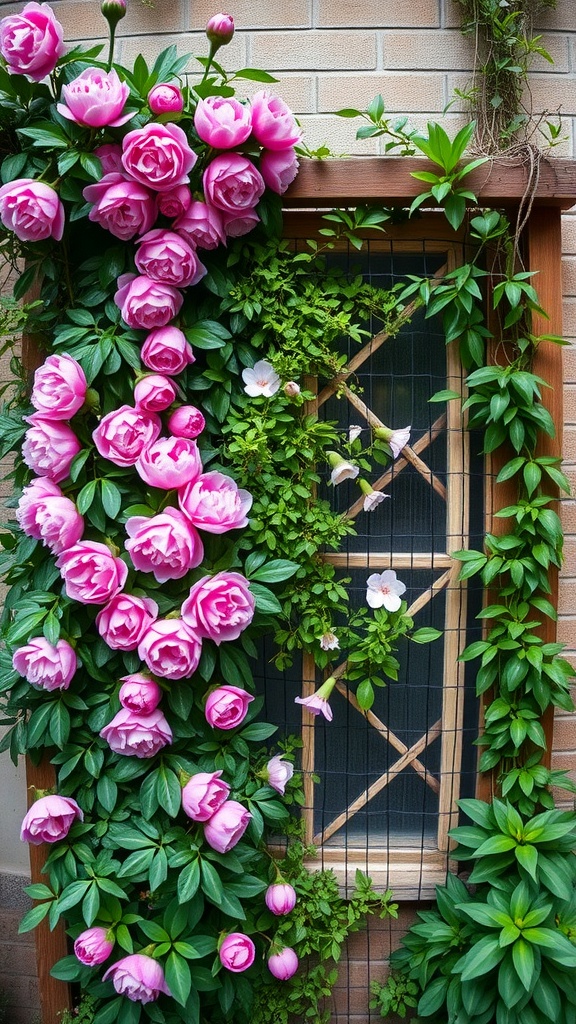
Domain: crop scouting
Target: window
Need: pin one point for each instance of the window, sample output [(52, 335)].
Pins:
[(390, 777)]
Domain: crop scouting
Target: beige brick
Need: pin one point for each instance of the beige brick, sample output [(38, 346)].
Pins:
[(150, 47), (567, 630), (255, 13), (564, 762), (367, 13), (322, 50), (565, 734), (569, 364), (567, 513), (423, 49), (569, 276), (569, 233), (299, 91), (567, 597), (561, 17), (569, 318), (337, 133), (549, 93), (569, 400), (82, 20), (452, 14), (401, 93), (569, 445)]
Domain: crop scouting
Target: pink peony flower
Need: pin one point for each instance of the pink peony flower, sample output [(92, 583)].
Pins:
[(226, 707), (384, 590), (122, 435), (158, 156), (202, 225), (220, 29), (232, 183), (49, 447), (273, 123), (237, 952), (91, 573), (317, 703), (31, 42), (50, 819), (222, 122), (145, 303), (170, 649), (124, 620), (138, 977), (154, 393), (168, 258), (95, 99), (59, 389), (219, 607), (59, 523), (260, 379), (45, 665), (278, 772), (167, 351), (166, 545), (214, 503), (186, 421), (93, 946), (174, 202), (32, 497), (136, 734), (165, 98), (31, 209), (283, 964), (227, 826), (279, 168), (238, 224), (203, 795), (280, 898), (170, 462), (120, 205), (140, 694), (110, 156)]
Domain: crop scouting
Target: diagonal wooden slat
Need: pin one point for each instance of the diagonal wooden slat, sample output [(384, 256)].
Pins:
[(433, 733), (432, 591), (401, 462), (375, 342)]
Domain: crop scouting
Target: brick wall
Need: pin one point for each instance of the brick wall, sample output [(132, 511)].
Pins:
[(330, 54)]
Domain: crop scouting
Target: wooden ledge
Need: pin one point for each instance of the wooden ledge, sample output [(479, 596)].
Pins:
[(373, 179)]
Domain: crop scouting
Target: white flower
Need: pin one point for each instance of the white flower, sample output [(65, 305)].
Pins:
[(384, 590), (373, 499), (261, 380), (341, 468), (354, 431), (399, 439), (291, 389), (329, 641)]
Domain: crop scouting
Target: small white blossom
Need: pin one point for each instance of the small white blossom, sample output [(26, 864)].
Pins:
[(354, 432), (373, 499), (399, 439), (262, 379), (329, 641), (341, 468), (385, 590)]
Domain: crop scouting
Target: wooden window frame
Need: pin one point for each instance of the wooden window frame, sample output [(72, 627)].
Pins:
[(321, 185)]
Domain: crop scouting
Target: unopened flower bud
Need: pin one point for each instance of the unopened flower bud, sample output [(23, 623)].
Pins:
[(220, 29), (291, 389), (113, 10)]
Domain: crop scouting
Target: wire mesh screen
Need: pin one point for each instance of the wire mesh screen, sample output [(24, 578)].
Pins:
[(389, 778)]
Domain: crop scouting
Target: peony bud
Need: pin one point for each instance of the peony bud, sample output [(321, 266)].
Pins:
[(220, 29), (113, 10), (280, 898), (283, 964)]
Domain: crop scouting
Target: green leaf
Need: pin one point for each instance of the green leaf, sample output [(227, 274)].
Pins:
[(523, 960), (168, 791), (111, 498), (425, 635), (266, 601), (255, 75), (481, 959), (188, 881), (178, 977), (33, 917), (275, 571), (444, 396), (433, 997)]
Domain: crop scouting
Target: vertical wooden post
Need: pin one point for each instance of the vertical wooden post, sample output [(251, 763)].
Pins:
[(544, 246)]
